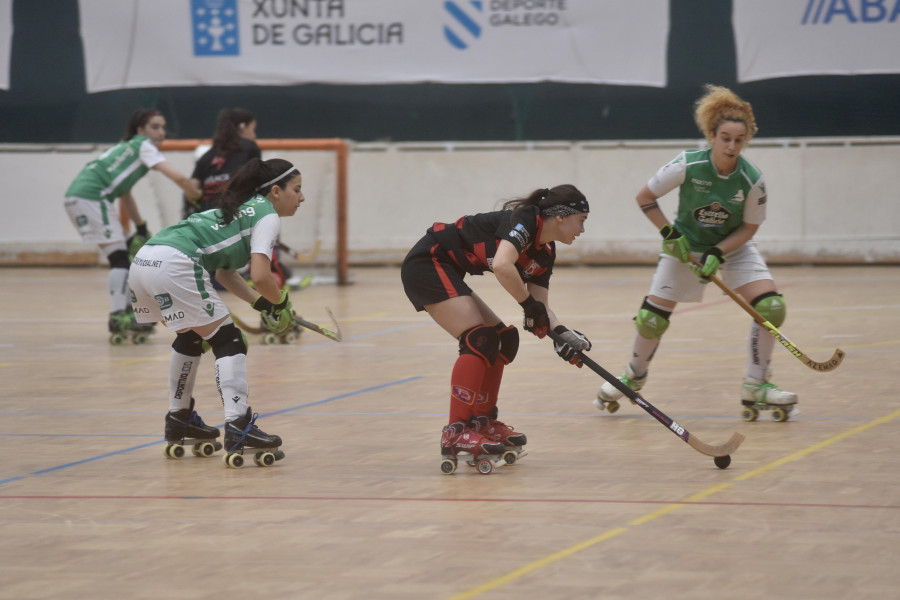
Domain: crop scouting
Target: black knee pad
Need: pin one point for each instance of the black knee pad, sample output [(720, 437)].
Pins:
[(228, 341), (482, 341), (509, 342), (188, 343), (119, 260)]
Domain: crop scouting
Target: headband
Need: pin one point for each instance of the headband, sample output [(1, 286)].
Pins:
[(268, 183), (563, 208)]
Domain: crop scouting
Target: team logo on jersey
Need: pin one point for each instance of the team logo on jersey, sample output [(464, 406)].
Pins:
[(739, 197), (520, 234), (711, 215), (214, 25), (464, 395), (164, 301), (209, 308)]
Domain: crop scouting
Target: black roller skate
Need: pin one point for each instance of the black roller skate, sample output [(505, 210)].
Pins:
[(513, 441), (185, 425), (243, 433), (459, 440), (123, 325)]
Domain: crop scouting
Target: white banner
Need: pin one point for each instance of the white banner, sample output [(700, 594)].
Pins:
[(151, 43), (6, 34), (785, 38)]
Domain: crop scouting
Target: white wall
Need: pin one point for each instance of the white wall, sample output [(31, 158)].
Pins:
[(829, 200)]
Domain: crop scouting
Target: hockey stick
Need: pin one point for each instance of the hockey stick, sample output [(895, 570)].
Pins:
[(829, 365), (332, 335), (303, 258), (722, 453)]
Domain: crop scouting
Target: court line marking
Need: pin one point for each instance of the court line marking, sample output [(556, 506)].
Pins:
[(693, 499)]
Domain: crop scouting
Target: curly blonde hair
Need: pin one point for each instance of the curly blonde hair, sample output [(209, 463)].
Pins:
[(720, 104)]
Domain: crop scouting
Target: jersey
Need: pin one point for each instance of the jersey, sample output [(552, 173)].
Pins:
[(114, 172), (472, 241), (710, 205), (214, 170), (215, 246)]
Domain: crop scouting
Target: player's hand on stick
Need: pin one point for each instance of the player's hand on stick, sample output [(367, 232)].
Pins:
[(675, 244), (709, 264), (536, 320), (277, 318), (137, 240), (570, 344)]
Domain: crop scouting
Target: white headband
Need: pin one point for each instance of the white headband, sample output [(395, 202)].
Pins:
[(268, 183)]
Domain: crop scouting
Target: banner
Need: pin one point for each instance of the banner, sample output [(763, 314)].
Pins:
[(786, 38), (152, 43), (6, 34)]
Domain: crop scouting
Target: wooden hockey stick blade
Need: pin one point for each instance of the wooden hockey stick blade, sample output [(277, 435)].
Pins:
[(332, 335), (829, 365), (725, 449), (303, 258)]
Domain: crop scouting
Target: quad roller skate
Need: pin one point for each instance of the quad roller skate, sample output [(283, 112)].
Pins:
[(482, 452), (513, 441), (608, 395), (241, 434), (288, 337), (185, 427), (123, 325), (759, 395)]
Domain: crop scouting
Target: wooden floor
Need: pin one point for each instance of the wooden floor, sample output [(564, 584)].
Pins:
[(604, 506)]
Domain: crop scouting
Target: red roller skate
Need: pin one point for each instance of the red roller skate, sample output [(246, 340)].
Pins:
[(513, 441), (459, 440)]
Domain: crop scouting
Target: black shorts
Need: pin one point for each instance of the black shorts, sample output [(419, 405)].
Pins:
[(430, 276)]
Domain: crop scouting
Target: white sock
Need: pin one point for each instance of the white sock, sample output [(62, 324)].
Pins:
[(642, 353), (761, 346), (118, 289), (231, 379), (182, 373)]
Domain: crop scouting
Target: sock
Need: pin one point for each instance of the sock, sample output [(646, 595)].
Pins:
[(182, 373), (642, 353), (231, 380), (466, 383), (118, 289), (761, 346), (490, 388)]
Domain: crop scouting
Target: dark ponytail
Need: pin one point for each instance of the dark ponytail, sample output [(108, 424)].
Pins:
[(255, 177), (565, 196), (227, 137)]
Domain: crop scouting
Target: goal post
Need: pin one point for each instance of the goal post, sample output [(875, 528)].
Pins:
[(327, 196)]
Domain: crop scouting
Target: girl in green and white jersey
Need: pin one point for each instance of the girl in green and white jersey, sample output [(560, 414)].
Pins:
[(721, 204), (91, 201), (170, 283)]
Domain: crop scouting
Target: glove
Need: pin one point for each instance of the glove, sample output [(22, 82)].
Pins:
[(537, 321), (573, 342), (675, 244), (277, 318), (709, 262), (137, 240)]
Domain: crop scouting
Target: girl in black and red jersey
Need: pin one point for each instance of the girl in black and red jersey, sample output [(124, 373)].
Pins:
[(518, 245)]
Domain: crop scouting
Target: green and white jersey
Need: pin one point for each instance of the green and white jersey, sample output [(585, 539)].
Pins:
[(116, 171), (710, 205), (214, 246)]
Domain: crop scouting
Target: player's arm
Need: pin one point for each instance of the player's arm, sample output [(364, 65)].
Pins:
[(130, 206), (738, 237), (504, 267), (542, 295), (646, 201), (262, 278), (234, 283), (190, 186)]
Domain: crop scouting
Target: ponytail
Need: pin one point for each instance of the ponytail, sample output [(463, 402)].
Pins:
[(255, 177)]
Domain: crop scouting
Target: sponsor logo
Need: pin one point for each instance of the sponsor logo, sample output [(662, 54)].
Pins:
[(142, 262), (316, 23), (182, 379), (142, 311), (81, 220), (464, 395), (174, 316), (739, 197), (520, 234), (466, 23), (463, 24), (164, 301), (214, 26), (824, 12), (133, 297), (711, 215)]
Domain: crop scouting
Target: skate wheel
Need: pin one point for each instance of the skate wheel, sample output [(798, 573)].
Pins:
[(174, 450), (288, 338), (140, 338), (264, 459), (779, 415), (116, 339), (510, 457), (485, 467), (235, 461), (749, 414), (722, 461), (204, 449), (448, 466)]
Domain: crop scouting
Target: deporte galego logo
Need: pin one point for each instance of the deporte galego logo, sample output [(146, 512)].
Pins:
[(461, 26), (214, 25)]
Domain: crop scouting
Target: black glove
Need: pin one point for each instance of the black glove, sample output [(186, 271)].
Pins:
[(277, 318), (537, 321), (137, 240), (570, 344)]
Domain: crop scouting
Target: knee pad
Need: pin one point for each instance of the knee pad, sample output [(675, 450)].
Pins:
[(118, 259), (188, 343), (482, 341), (228, 341), (509, 342), (772, 307), (651, 322)]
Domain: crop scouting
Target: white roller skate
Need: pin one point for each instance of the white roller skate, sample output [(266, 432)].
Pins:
[(759, 395), (608, 395)]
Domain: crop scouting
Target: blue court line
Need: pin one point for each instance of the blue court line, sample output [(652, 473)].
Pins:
[(155, 443)]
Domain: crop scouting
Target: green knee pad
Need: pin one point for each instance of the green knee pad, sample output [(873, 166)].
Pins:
[(772, 307), (651, 322)]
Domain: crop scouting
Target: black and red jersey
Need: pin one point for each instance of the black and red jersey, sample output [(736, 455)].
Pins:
[(471, 242), (214, 170)]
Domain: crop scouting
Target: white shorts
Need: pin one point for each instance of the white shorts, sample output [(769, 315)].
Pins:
[(97, 221), (166, 285), (675, 281)]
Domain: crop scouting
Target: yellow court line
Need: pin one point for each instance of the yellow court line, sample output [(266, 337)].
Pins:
[(547, 560)]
